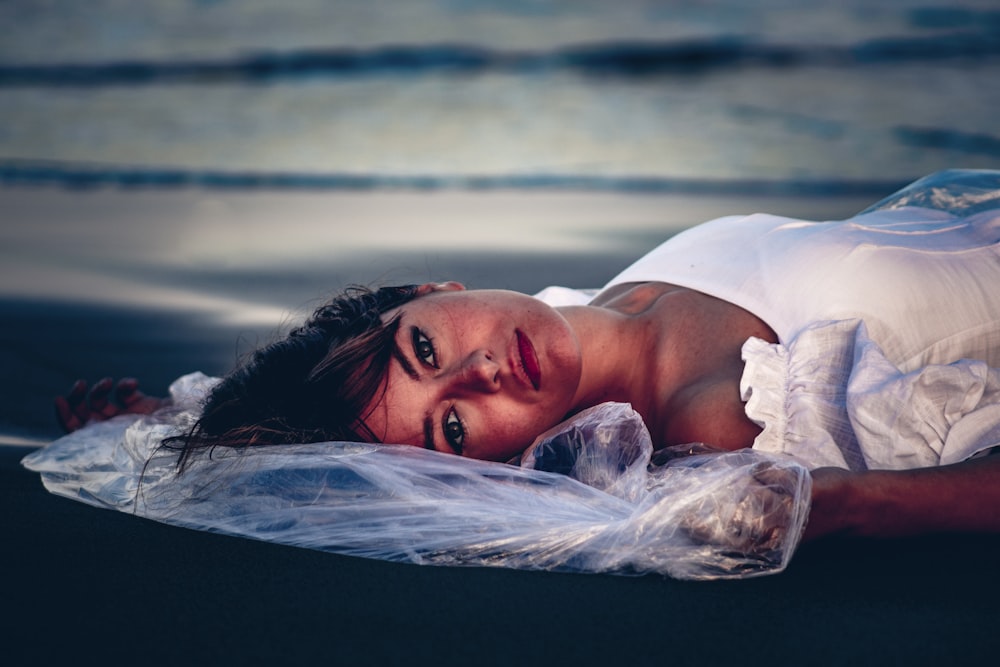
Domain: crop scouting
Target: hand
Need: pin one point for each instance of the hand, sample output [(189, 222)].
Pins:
[(753, 519), (80, 406)]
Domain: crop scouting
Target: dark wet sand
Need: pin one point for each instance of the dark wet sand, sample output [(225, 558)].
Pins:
[(96, 584), (89, 584)]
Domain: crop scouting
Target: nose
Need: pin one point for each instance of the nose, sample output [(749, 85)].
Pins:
[(480, 373)]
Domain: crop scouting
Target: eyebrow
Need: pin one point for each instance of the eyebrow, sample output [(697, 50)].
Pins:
[(408, 368)]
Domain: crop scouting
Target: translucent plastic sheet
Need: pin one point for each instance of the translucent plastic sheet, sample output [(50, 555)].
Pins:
[(957, 191), (607, 509)]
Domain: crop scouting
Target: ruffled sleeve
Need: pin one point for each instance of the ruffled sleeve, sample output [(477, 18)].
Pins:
[(831, 398), (797, 394)]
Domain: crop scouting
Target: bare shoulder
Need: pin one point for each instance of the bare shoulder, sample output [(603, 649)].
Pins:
[(709, 411), (633, 298)]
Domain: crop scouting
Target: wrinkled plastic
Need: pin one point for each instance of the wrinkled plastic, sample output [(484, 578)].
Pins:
[(706, 516), (961, 192)]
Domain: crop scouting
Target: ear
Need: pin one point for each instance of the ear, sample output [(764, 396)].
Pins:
[(450, 286)]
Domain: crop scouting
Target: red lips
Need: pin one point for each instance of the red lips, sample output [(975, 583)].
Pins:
[(529, 362)]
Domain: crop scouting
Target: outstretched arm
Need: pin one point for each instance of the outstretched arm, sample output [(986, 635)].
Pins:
[(962, 497), (80, 406)]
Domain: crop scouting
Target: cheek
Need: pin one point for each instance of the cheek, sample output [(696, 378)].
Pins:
[(562, 350), (392, 419), (507, 433)]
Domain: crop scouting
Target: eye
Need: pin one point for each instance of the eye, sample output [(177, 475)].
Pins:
[(423, 348), (454, 431)]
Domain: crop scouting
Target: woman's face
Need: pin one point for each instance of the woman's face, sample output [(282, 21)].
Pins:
[(478, 373)]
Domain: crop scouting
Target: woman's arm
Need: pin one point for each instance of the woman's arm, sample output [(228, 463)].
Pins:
[(962, 497), (80, 406)]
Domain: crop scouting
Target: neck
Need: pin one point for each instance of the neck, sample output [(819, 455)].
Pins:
[(616, 352), (674, 354)]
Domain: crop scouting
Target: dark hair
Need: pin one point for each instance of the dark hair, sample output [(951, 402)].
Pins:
[(311, 386)]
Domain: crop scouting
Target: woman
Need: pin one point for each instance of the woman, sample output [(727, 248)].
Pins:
[(843, 344)]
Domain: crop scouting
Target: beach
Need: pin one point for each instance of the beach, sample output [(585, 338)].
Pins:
[(181, 182), (89, 582)]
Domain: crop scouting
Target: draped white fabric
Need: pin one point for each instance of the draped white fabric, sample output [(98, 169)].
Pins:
[(831, 398)]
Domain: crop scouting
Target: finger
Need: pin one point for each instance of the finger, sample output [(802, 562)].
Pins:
[(98, 394), (77, 402), (77, 393), (780, 480), (100, 407), (127, 392), (64, 415)]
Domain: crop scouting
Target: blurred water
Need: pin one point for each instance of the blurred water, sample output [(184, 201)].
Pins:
[(527, 93)]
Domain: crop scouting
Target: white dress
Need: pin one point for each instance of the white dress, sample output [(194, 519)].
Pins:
[(888, 327)]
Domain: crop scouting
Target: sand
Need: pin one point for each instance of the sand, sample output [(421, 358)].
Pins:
[(156, 283)]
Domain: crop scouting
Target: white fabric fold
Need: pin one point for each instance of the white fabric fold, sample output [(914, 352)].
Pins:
[(831, 398)]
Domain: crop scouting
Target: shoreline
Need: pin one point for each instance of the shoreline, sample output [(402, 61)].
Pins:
[(10, 440)]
